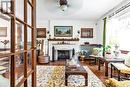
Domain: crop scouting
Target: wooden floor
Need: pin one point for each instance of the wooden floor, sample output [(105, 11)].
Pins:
[(94, 68)]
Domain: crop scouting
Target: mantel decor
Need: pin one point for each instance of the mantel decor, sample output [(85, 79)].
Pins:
[(62, 39), (41, 32), (86, 32), (63, 31), (3, 31)]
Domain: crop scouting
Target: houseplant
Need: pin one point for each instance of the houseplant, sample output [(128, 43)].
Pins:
[(107, 49)]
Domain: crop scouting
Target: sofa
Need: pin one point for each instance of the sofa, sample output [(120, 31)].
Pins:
[(88, 49)]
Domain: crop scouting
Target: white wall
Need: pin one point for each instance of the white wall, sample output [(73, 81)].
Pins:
[(77, 25)]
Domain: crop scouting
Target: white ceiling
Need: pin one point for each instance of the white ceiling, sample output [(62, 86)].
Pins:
[(89, 10)]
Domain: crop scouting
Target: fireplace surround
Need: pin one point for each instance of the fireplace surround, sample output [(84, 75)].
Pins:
[(66, 49)]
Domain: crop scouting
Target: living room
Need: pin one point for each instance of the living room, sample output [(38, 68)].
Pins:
[(64, 43)]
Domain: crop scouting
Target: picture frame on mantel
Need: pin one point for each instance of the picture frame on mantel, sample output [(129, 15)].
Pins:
[(86, 32), (41, 32), (3, 31), (63, 31)]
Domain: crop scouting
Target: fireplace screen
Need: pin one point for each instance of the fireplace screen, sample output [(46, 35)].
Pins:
[(63, 54)]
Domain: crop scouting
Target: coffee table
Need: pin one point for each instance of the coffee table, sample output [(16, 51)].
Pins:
[(75, 70)]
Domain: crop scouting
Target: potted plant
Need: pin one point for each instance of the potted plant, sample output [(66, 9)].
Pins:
[(107, 49), (97, 51), (82, 55)]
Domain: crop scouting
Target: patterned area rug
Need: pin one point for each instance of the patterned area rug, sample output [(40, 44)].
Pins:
[(53, 76)]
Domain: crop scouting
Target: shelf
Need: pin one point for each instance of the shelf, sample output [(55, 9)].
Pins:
[(56, 39), (90, 45)]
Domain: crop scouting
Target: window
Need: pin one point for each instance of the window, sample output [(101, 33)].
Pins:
[(118, 31)]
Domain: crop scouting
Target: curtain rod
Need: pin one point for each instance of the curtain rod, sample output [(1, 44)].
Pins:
[(119, 10)]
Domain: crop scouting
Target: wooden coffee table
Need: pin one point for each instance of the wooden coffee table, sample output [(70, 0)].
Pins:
[(71, 70)]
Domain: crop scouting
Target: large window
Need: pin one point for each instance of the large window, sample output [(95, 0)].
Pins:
[(118, 31)]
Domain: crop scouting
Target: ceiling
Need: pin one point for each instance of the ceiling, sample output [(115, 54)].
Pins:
[(88, 10)]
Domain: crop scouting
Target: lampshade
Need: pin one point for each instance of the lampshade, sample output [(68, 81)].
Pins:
[(63, 7)]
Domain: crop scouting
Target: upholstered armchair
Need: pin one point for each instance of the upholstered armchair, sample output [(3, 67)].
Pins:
[(111, 82)]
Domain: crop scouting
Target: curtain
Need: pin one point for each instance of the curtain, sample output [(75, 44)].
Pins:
[(104, 36)]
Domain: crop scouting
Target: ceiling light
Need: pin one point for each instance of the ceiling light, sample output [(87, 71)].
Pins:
[(63, 7)]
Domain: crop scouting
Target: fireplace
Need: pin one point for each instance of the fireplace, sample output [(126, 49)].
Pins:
[(63, 54), (59, 51)]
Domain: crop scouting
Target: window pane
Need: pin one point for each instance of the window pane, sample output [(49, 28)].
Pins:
[(19, 9), (29, 19), (30, 81), (29, 37), (29, 61), (19, 36), (5, 34), (19, 67), (5, 72), (5, 5)]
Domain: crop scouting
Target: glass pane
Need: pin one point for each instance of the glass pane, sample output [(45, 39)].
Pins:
[(29, 19), (29, 61), (19, 67), (5, 34), (29, 37), (30, 81), (5, 72), (19, 9), (5, 5), (19, 36)]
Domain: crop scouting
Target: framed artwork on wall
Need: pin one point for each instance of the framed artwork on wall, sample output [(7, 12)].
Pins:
[(3, 31), (63, 31), (41, 32), (86, 32)]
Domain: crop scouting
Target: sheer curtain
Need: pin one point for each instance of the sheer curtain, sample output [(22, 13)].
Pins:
[(118, 32)]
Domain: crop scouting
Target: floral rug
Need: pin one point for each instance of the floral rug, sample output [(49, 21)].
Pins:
[(53, 76)]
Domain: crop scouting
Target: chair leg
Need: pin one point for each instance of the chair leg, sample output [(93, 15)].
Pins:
[(118, 75), (111, 70)]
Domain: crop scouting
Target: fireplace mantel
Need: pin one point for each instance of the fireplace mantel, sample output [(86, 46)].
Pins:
[(64, 47), (63, 39)]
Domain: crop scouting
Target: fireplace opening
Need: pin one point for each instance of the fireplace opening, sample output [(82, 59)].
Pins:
[(63, 54)]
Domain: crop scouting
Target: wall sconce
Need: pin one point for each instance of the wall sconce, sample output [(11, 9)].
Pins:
[(48, 32), (78, 31)]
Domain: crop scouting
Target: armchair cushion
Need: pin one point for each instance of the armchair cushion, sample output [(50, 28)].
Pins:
[(97, 51), (111, 82)]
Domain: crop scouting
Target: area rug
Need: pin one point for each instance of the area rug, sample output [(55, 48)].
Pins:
[(53, 76)]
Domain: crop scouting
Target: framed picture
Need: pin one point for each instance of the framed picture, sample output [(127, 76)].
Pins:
[(63, 31), (86, 32), (41, 32), (3, 31)]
